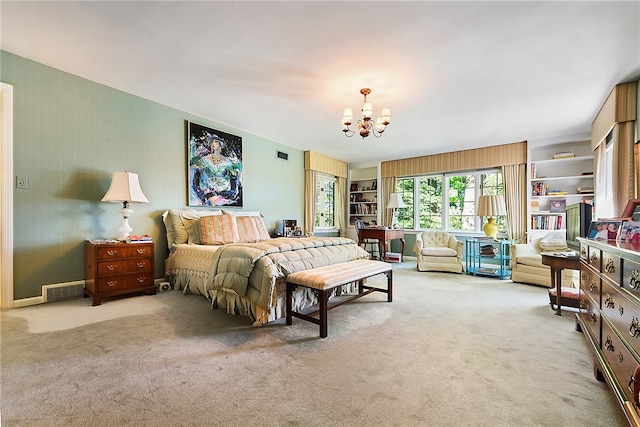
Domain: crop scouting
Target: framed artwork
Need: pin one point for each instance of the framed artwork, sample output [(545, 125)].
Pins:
[(557, 205), (214, 167), (604, 230), (630, 232), (374, 184)]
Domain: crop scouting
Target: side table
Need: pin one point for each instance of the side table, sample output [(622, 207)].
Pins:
[(558, 262)]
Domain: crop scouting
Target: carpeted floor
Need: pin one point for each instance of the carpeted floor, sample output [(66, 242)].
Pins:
[(450, 350)]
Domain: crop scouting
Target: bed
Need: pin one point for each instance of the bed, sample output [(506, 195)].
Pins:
[(229, 257)]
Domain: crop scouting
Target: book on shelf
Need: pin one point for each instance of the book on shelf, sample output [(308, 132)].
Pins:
[(556, 193), (487, 270)]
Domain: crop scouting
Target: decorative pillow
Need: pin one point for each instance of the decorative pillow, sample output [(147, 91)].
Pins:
[(217, 230), (247, 230), (257, 218), (181, 225)]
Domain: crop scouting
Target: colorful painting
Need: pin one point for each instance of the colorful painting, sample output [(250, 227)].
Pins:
[(214, 167)]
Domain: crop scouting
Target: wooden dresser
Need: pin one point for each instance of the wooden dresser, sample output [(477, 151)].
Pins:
[(117, 269), (609, 317)]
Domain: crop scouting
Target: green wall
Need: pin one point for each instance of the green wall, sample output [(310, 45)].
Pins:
[(70, 134)]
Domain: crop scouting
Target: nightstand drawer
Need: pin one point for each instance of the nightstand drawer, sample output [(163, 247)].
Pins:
[(128, 282), (124, 251), (123, 266)]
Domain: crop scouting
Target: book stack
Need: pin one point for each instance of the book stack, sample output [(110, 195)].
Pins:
[(140, 238), (488, 250), (563, 155)]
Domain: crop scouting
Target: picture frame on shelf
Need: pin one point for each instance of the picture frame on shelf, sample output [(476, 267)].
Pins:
[(629, 232), (557, 206), (604, 229), (374, 184), (354, 186), (632, 210)]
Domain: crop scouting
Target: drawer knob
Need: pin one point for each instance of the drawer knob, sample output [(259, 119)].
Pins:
[(112, 252), (610, 267), (608, 344), (634, 281), (608, 302), (634, 327), (140, 264), (112, 283), (111, 267), (140, 251), (141, 279)]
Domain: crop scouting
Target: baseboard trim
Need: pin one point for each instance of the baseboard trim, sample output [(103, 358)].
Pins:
[(25, 302)]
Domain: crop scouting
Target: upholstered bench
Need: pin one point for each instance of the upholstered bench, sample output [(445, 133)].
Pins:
[(569, 297), (323, 280)]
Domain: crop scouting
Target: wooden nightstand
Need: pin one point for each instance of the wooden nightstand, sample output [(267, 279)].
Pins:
[(117, 269)]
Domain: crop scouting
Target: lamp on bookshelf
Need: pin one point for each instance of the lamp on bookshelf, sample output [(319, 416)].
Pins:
[(491, 206), (125, 188)]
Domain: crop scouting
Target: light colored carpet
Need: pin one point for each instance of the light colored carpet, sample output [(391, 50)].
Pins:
[(450, 350)]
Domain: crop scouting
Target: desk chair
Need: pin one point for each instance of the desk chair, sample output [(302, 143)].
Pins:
[(369, 245)]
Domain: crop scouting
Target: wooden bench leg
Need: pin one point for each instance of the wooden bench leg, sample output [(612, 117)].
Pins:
[(389, 285), (324, 298), (289, 304)]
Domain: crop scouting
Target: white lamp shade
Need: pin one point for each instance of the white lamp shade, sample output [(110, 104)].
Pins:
[(348, 113), (491, 206), (125, 187), (395, 201), (367, 109)]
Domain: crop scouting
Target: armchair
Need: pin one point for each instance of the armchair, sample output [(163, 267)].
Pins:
[(527, 267), (438, 251)]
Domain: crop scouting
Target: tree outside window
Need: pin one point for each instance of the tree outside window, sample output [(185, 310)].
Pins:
[(325, 202)]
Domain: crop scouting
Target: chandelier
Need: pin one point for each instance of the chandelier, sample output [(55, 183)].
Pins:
[(366, 125)]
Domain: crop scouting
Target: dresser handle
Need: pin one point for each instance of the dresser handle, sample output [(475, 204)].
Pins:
[(608, 302), (610, 267), (634, 282), (141, 279), (621, 310), (583, 251), (593, 317), (593, 259), (111, 267), (620, 357), (608, 345), (140, 251), (112, 283), (112, 252), (634, 328), (593, 287), (140, 264)]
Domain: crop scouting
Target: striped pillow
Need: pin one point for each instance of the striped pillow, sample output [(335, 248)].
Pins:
[(217, 230), (247, 230)]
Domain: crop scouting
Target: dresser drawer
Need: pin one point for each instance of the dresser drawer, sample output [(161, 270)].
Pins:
[(584, 251), (593, 258), (590, 285), (622, 312), (124, 251), (631, 277), (611, 267), (128, 282), (590, 316), (123, 266), (621, 361)]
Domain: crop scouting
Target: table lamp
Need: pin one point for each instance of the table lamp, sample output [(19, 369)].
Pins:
[(395, 202), (491, 206), (125, 188)]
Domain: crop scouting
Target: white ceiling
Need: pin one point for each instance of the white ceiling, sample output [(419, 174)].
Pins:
[(456, 75)]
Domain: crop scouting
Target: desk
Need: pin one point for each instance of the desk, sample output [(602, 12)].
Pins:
[(383, 235), (557, 263)]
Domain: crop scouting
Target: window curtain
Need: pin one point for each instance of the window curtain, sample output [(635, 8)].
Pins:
[(600, 178), (515, 187), (624, 175), (388, 187), (310, 196), (341, 195)]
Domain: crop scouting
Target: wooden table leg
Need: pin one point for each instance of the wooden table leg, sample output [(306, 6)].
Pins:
[(557, 278)]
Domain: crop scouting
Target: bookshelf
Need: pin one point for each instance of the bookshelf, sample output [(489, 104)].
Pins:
[(363, 198)]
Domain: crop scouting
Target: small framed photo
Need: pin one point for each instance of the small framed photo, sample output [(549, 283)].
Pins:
[(297, 231), (374, 184), (632, 210), (630, 232), (604, 230), (557, 206)]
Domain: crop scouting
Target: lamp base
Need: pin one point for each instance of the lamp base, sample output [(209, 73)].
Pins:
[(491, 228), (125, 229)]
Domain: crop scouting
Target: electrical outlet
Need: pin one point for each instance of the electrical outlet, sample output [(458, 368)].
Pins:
[(22, 182)]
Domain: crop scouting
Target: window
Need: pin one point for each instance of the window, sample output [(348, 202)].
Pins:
[(447, 201), (326, 202)]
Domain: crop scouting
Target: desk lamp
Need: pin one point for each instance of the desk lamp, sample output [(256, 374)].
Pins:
[(395, 202), (491, 206)]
